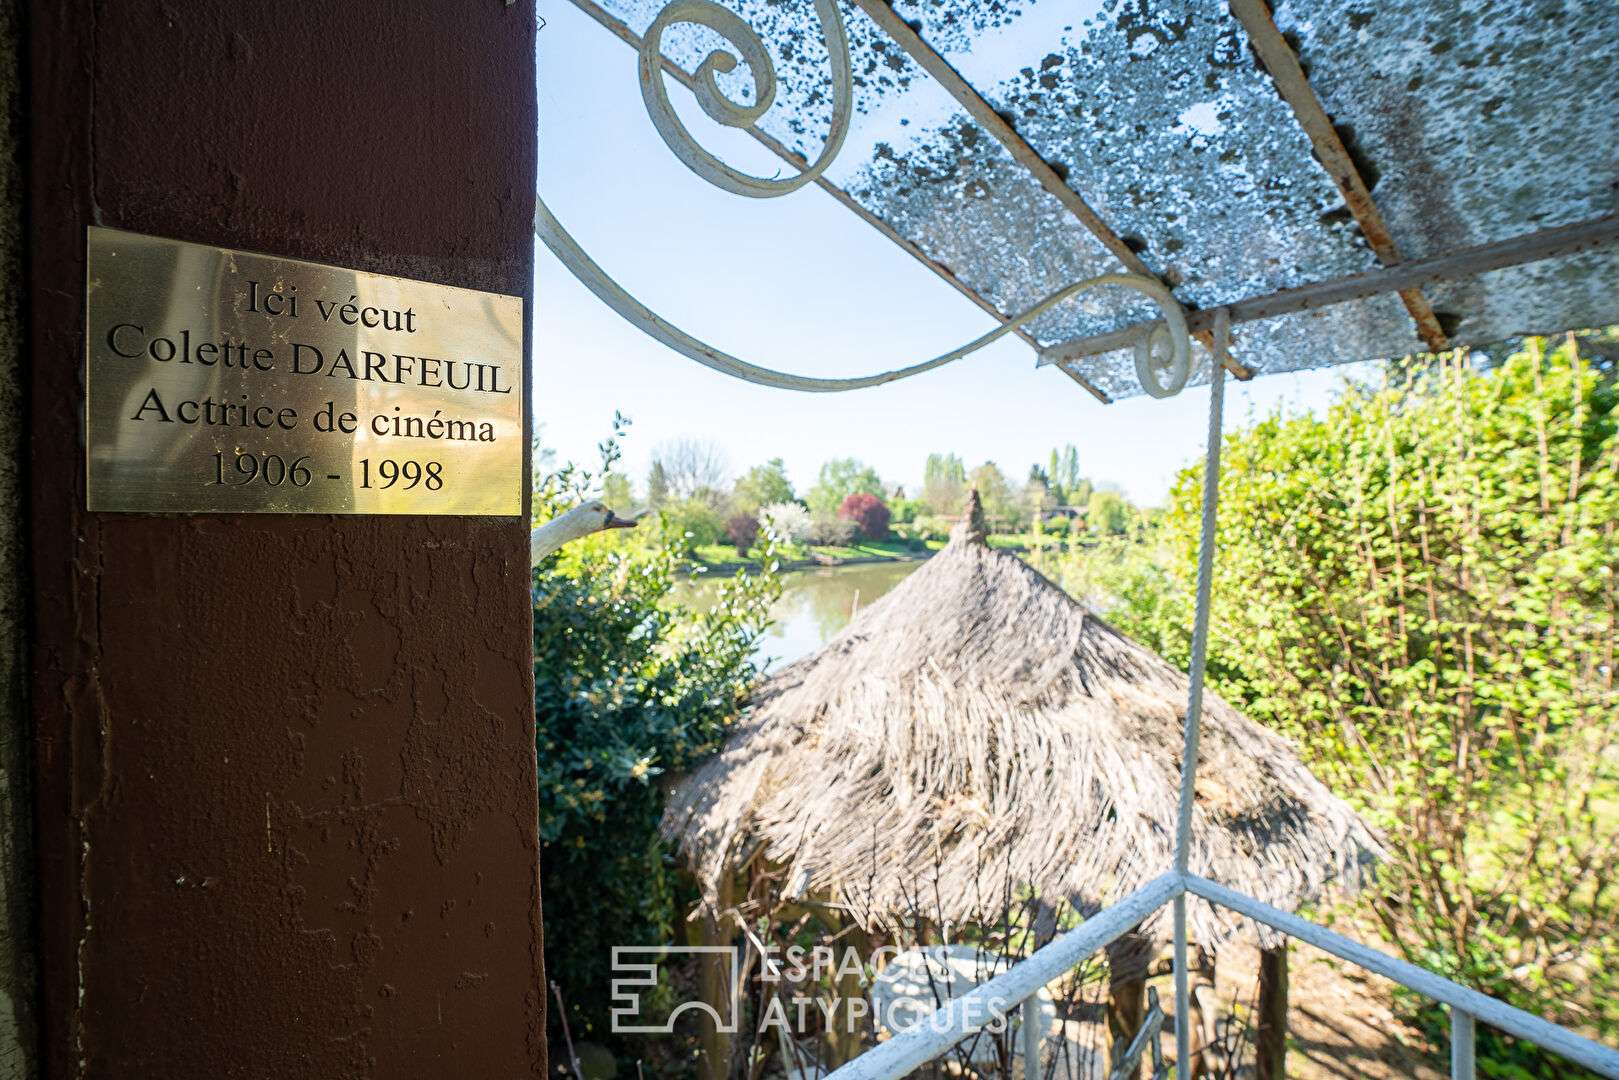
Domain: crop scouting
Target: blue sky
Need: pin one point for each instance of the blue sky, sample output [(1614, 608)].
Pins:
[(796, 283)]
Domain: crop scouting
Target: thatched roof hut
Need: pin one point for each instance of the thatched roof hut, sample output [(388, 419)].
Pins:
[(975, 732)]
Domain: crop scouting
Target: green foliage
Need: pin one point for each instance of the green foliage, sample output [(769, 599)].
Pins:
[(1063, 475), (840, 478), (1420, 589), (944, 484), (906, 511), (1131, 580), (1037, 496), (657, 485), (617, 493), (763, 485), (693, 522), (1003, 511), (928, 527), (1108, 513), (627, 686)]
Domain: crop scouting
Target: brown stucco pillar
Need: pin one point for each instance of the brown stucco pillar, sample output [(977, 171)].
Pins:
[(285, 775)]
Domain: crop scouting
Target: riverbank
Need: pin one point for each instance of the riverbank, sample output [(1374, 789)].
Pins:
[(815, 561), (721, 560), (815, 602)]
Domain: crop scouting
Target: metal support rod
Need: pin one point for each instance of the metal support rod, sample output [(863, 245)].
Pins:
[(1205, 574), (1462, 1043), (1533, 247), (1183, 994), (960, 1017), (611, 293), (1032, 1036), (1602, 1060), (1194, 702)]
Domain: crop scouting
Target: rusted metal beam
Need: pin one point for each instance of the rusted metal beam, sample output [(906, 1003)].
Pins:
[(621, 31), (1533, 247), (1004, 133), (991, 121), (1295, 89)]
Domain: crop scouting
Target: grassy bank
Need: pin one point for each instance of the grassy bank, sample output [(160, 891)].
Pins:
[(724, 558)]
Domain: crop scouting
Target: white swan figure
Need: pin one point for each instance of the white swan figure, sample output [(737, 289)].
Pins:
[(579, 522)]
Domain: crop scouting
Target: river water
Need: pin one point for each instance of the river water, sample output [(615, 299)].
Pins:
[(814, 604)]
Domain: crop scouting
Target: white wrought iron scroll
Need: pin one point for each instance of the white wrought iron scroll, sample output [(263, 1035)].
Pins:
[(1163, 356), (722, 109), (1151, 361)]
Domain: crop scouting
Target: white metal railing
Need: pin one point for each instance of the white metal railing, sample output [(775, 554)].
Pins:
[(934, 1035)]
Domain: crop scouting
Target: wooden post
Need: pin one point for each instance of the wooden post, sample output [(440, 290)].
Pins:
[(286, 811), (848, 1020), (1126, 991), (1270, 1038), (715, 989)]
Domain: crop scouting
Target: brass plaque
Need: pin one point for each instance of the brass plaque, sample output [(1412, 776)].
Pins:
[(223, 381)]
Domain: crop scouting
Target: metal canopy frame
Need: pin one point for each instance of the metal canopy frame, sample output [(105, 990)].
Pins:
[(617, 28), (1292, 85), (1401, 278), (1163, 365)]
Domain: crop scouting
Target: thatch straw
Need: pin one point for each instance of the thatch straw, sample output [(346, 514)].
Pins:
[(976, 733)]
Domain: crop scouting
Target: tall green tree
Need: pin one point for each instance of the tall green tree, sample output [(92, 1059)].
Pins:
[(1108, 513), (1064, 473), (840, 478), (657, 485), (1037, 494), (944, 484), (1002, 505), (763, 485), (617, 492)]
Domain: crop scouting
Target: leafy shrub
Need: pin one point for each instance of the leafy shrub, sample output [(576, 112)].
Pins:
[(763, 485), (840, 478), (1108, 513), (905, 511), (830, 532), (868, 512), (627, 686), (928, 527), (1058, 526), (694, 523), (742, 530), (1420, 587), (789, 521)]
